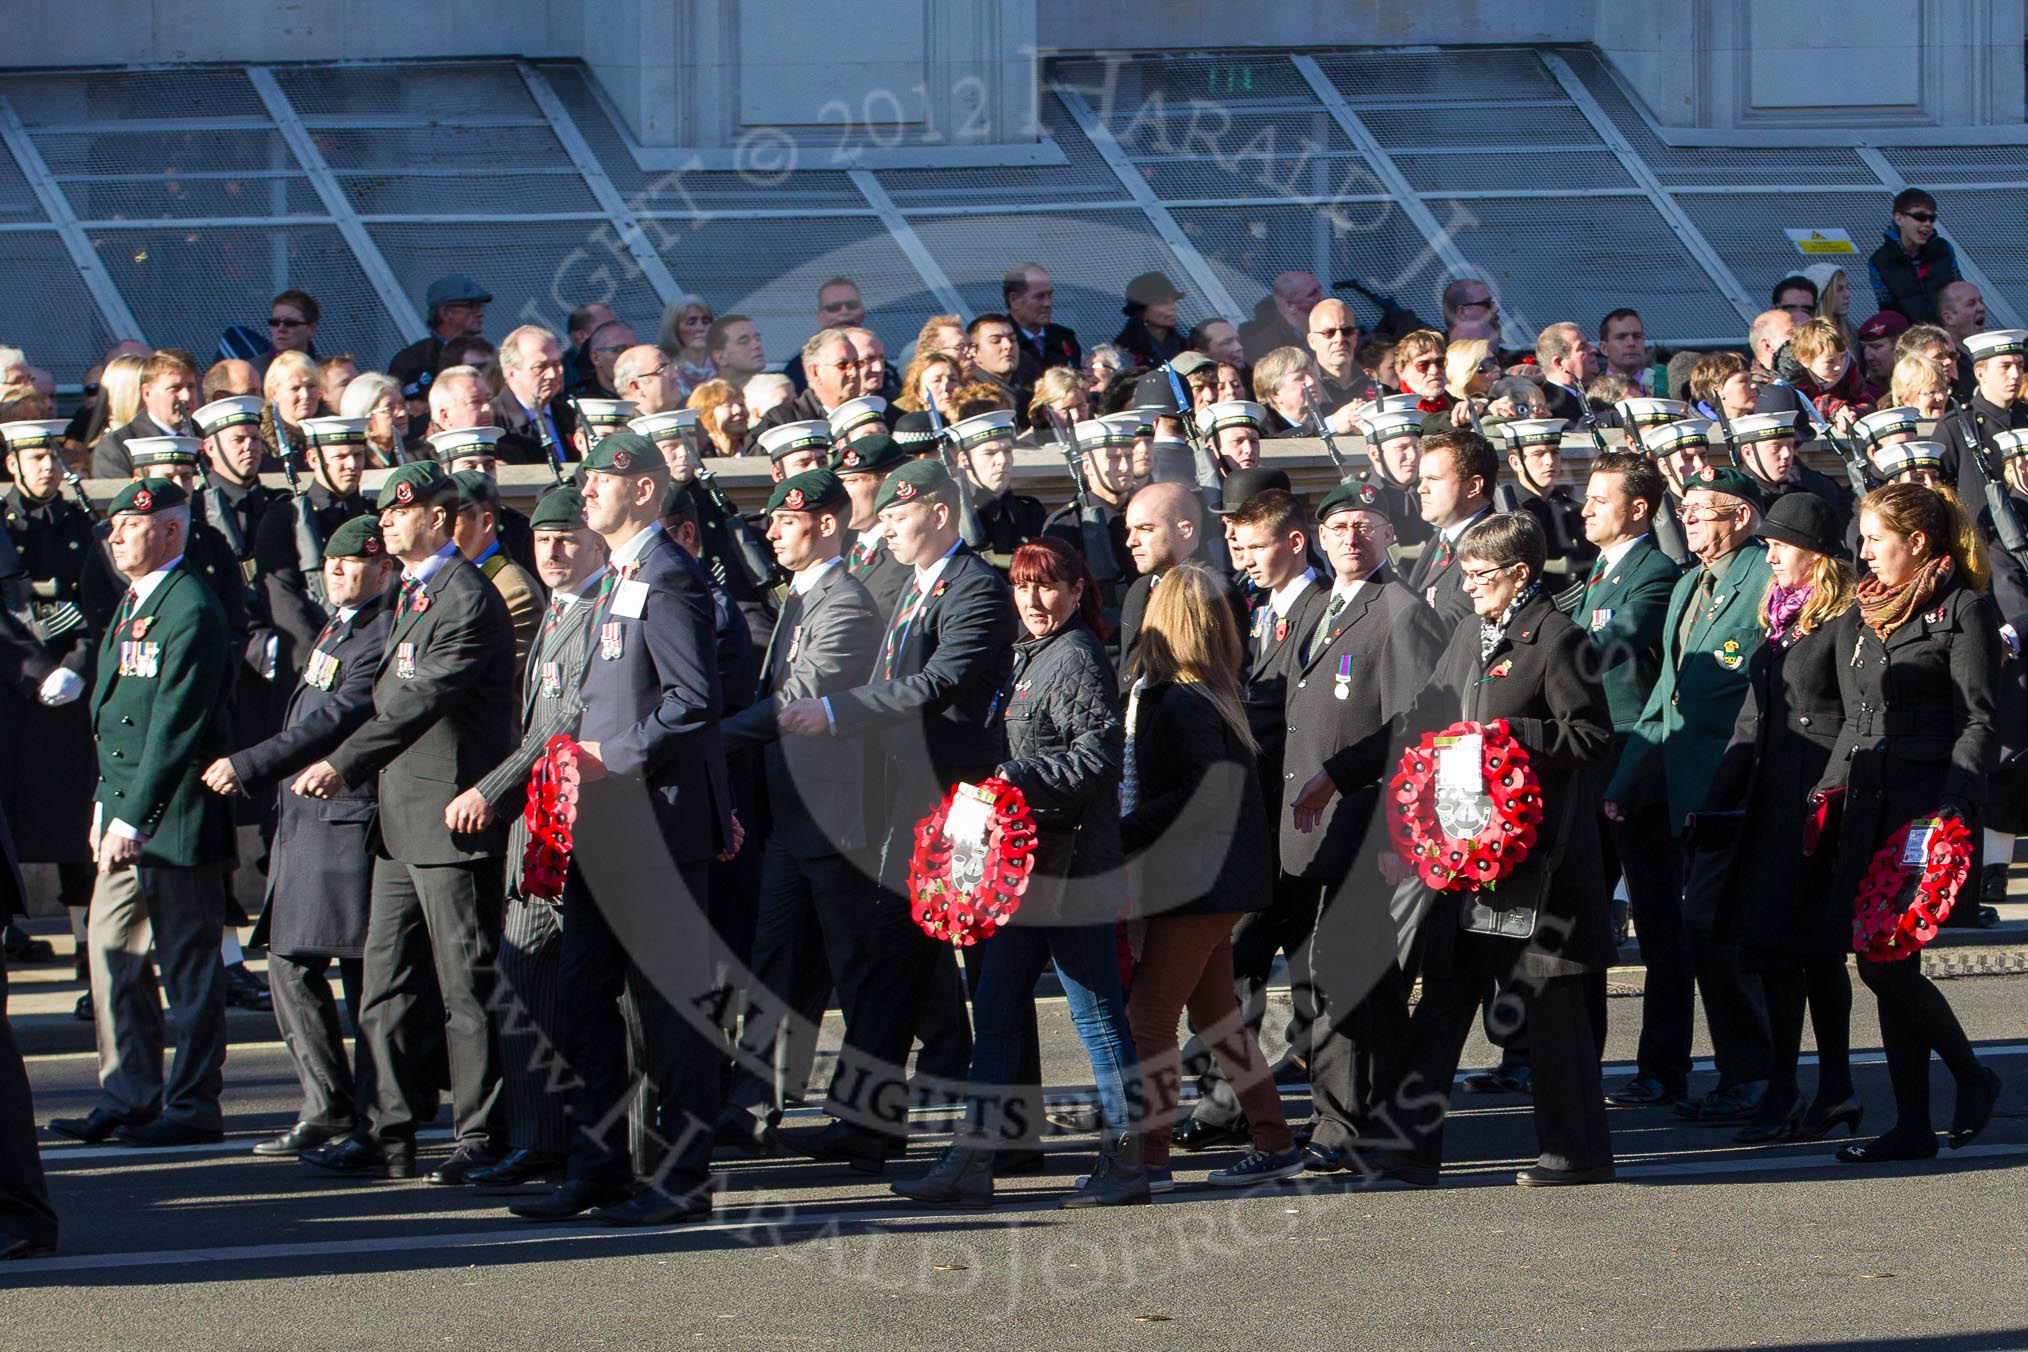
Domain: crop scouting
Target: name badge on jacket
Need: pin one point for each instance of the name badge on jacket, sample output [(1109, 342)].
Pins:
[(404, 661), (612, 640), (630, 597), (321, 671)]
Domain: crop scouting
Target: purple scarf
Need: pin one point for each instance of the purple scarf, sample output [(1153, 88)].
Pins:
[(1783, 605)]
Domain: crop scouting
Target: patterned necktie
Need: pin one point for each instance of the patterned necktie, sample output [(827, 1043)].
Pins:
[(1321, 639), (1706, 585), (128, 605), (862, 555), (897, 633), (1598, 570), (406, 600)]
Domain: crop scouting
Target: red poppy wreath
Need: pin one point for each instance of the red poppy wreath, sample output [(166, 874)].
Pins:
[(550, 815), (1464, 840), (1900, 904), (961, 890)]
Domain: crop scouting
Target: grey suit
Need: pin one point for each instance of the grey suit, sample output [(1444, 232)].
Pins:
[(443, 716), (816, 907), (531, 941)]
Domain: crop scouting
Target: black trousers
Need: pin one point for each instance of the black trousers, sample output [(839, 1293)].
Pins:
[(336, 1082), (1916, 1019), (441, 919), (533, 1068), (25, 1212), (810, 937), (1284, 927), (666, 958), (1653, 868), (1568, 1102)]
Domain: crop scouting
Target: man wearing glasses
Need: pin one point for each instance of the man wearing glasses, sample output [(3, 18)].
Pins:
[(1670, 757), (1914, 263), (1333, 337), (456, 307), (832, 365)]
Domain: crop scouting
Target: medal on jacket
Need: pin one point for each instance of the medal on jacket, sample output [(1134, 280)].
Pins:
[(1600, 619), (552, 679), (140, 659), (612, 640), (1343, 688), (321, 671), (795, 642), (404, 661)]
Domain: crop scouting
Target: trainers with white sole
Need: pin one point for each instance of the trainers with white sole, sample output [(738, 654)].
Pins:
[(1258, 1166)]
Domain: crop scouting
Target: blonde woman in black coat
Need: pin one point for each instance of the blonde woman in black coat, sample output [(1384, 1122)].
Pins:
[(1777, 903), (1919, 662)]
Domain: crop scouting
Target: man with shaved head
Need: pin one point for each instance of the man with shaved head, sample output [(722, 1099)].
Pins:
[(1333, 336), (1282, 318), (1165, 527)]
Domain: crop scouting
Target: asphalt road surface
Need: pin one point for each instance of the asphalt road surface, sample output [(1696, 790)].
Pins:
[(1700, 1243)]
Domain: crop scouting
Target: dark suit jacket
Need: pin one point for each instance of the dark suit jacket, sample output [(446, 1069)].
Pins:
[(320, 867), (1386, 641), (1274, 649), (1564, 404), (1058, 347), (1439, 581), (1135, 607), (1622, 616), (290, 610), (110, 458), (1539, 680), (158, 729), (524, 434), (882, 576), (937, 720), (805, 407), (824, 644), (441, 718), (652, 699)]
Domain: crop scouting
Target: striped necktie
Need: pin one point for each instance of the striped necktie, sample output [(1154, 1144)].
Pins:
[(1321, 639), (897, 633)]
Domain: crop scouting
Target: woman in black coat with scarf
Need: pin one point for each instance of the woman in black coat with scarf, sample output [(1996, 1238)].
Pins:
[(1777, 904), (1546, 925), (1065, 747), (1919, 659)]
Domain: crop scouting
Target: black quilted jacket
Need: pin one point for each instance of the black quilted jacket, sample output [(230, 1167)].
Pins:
[(1065, 748)]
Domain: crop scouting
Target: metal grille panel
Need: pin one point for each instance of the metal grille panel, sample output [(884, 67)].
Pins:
[(440, 95), (1746, 230), (187, 286), (89, 154), (55, 98), (45, 308), (467, 194), (1228, 78), (1383, 77), (1477, 128), (1517, 170), (1084, 175), (175, 196), (469, 149), (1928, 165)]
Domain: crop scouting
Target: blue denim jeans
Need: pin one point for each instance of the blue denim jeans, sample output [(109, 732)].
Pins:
[(1003, 1018)]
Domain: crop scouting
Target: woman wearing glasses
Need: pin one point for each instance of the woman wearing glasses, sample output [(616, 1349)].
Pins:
[(1919, 658), (1521, 661)]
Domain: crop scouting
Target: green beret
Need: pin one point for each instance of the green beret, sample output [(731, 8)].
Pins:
[(876, 454), (559, 509), (626, 453), (145, 497), (418, 482), (814, 490), (911, 481), (358, 538), (474, 489), (1726, 479), (1354, 495)]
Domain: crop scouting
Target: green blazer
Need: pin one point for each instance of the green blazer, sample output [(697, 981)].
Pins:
[(163, 719), (1674, 748), (1623, 618)]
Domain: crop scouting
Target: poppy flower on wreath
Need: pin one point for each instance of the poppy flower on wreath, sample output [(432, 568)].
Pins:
[(1457, 840), (1901, 903), (963, 891), (550, 816)]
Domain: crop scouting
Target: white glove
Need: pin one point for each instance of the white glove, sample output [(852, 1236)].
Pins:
[(60, 687)]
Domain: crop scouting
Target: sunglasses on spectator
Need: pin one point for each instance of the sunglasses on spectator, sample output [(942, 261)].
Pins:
[(1426, 364), (1346, 331), (1479, 304), (285, 322), (1926, 217)]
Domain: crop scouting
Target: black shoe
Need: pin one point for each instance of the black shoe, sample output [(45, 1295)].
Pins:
[(962, 1176), (520, 1166), (83, 1011), (1993, 883), (1644, 1091), (573, 1198), (738, 1129), (244, 990), (1398, 1176), (1894, 1146), (457, 1171), (1291, 1069), (1733, 1103), (1768, 1126), (355, 1158), (1821, 1122), (1975, 1108), (1321, 1159), (867, 1152), (652, 1206), (1120, 1178), (12, 1248), (1502, 1080), (303, 1136), (1542, 1176), (1197, 1134), (21, 946), (164, 1132), (92, 1128)]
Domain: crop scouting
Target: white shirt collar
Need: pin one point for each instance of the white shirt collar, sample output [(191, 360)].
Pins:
[(566, 599), (345, 614), (1286, 595), (1613, 555), (925, 577), (804, 582), (636, 545), (1452, 533), (144, 586), (1342, 590), (427, 569)]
